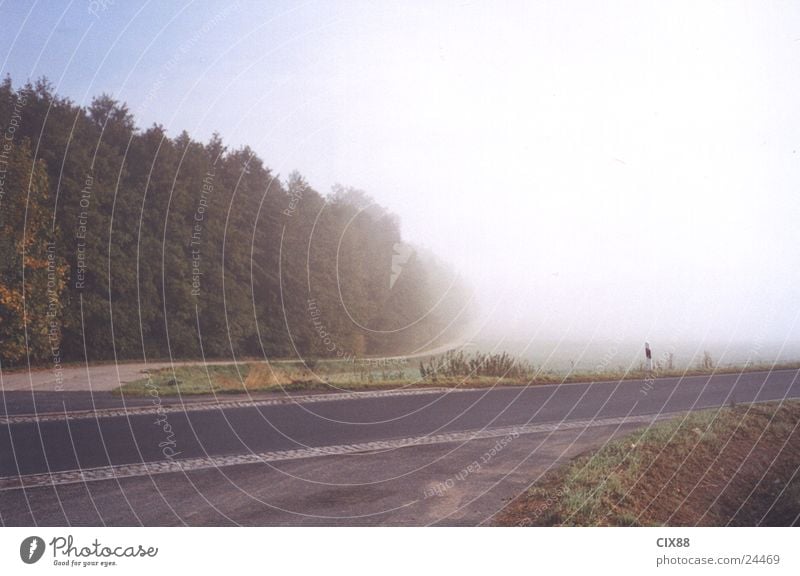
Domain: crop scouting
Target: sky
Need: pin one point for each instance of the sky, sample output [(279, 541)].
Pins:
[(592, 170)]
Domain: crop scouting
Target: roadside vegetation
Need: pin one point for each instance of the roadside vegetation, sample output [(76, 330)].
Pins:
[(454, 369), (732, 466), (246, 377), (459, 364)]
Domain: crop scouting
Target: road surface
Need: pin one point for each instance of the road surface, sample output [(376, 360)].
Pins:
[(405, 457)]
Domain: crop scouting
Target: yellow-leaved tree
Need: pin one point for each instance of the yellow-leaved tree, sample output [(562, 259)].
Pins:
[(32, 276)]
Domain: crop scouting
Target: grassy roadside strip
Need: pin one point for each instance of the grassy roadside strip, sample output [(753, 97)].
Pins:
[(736, 466), (330, 376), (259, 377)]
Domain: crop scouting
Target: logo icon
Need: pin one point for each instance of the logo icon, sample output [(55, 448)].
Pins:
[(402, 254), (31, 549)]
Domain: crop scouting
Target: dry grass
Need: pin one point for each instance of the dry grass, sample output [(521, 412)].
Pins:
[(262, 376)]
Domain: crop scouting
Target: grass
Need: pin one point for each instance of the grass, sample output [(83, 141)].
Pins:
[(717, 467), (638, 374), (335, 375), (321, 376), (214, 379)]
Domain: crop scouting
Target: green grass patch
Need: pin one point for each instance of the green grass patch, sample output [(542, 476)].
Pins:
[(195, 379), (248, 377)]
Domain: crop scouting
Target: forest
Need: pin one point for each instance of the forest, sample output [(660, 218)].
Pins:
[(122, 243)]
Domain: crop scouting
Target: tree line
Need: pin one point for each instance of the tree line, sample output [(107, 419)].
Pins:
[(123, 243)]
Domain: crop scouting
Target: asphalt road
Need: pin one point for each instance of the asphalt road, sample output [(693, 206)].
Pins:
[(432, 456)]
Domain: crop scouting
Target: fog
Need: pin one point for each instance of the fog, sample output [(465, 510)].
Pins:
[(596, 173)]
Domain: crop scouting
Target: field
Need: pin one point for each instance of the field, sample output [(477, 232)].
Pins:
[(733, 466)]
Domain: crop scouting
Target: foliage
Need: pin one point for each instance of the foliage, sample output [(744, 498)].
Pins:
[(458, 364), (32, 276), (173, 247)]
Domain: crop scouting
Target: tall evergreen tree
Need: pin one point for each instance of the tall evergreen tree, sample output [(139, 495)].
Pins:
[(168, 246)]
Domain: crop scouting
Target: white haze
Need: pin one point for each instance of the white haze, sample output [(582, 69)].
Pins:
[(625, 173), (596, 171)]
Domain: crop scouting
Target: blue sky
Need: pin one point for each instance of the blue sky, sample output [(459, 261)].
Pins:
[(186, 65)]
